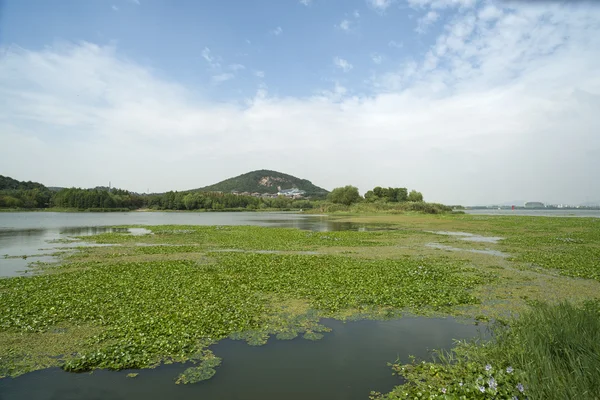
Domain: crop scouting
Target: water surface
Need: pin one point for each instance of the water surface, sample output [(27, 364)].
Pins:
[(538, 213), (346, 364), (29, 237)]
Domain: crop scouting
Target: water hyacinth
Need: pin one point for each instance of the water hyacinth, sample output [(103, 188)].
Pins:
[(492, 384), (488, 367), (509, 370), (520, 387), (444, 390), (482, 389)]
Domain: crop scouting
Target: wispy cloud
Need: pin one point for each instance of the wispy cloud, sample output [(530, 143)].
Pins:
[(342, 64), (395, 45), (377, 58), (344, 25), (442, 3), (277, 31), (237, 67), (424, 22), (135, 2), (356, 14), (114, 8), (212, 60), (222, 77), (503, 96), (380, 5), (259, 74), (305, 2)]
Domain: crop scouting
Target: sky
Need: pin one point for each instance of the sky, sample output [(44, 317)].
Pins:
[(468, 101)]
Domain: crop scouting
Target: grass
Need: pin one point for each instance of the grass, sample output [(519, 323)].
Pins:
[(550, 352)]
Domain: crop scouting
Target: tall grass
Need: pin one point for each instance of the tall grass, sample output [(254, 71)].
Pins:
[(551, 352), (558, 348)]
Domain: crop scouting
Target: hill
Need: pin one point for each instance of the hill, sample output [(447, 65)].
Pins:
[(264, 181), (8, 183)]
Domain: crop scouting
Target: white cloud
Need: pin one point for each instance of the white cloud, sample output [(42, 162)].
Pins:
[(135, 2), (380, 5), (207, 55), (490, 13), (342, 64), (305, 2), (356, 14), (510, 112), (396, 45), (377, 58), (277, 31), (344, 25), (213, 61), (443, 3), (259, 74), (424, 22), (237, 67), (115, 8), (222, 77)]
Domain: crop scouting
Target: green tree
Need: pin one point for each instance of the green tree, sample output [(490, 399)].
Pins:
[(415, 196), (344, 195)]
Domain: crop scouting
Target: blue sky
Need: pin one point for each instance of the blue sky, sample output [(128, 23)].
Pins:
[(293, 44), (469, 101)]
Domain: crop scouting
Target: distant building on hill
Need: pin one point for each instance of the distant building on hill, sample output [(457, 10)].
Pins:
[(534, 204), (293, 192)]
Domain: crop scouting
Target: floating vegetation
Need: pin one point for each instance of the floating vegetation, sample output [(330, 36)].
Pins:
[(165, 297), (205, 370)]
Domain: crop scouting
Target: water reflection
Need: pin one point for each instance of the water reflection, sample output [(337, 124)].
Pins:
[(37, 235), (346, 364)]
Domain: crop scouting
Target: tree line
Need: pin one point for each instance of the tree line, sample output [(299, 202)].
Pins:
[(16, 194), (349, 195)]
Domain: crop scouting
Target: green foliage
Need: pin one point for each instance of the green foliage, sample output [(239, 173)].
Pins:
[(346, 195), (389, 195), (202, 372), (95, 199), (16, 194), (156, 311), (550, 352), (264, 181), (380, 207), (415, 196)]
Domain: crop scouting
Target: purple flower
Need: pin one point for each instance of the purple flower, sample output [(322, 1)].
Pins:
[(488, 367), (492, 383), (509, 370), (481, 389), (444, 390), (514, 398), (520, 387)]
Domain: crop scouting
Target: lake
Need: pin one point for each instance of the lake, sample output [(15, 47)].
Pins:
[(538, 213), (35, 234), (346, 364)]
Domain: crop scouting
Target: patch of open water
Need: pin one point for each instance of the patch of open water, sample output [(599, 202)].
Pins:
[(470, 237), (347, 364)]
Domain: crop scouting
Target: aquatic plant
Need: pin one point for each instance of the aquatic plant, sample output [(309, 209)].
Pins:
[(550, 352)]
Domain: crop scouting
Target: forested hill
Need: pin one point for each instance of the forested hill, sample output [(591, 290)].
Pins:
[(264, 181), (8, 183)]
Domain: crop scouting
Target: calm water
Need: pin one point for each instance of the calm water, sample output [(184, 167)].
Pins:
[(32, 234), (346, 364), (539, 213)]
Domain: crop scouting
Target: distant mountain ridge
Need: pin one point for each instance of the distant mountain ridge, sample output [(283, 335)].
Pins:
[(264, 181)]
